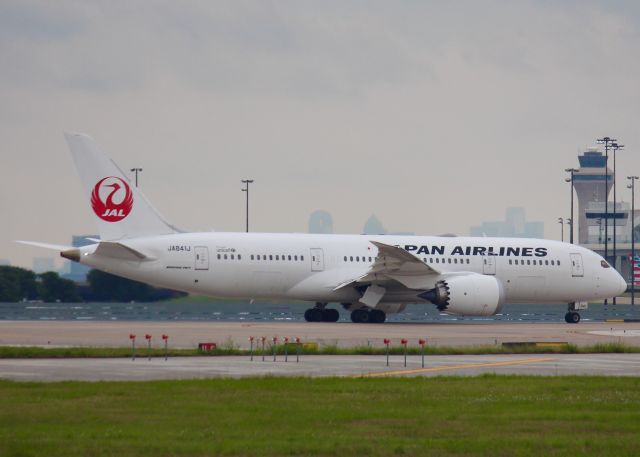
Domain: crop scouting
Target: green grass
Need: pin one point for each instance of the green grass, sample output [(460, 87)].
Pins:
[(229, 348), (485, 416)]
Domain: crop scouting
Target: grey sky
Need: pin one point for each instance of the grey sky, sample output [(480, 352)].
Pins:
[(434, 116)]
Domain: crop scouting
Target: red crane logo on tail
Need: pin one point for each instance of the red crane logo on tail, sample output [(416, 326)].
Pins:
[(118, 202)]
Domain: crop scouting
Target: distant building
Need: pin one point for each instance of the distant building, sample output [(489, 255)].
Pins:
[(320, 222), (78, 272), (5, 262), (43, 264), (373, 226), (515, 225), (599, 221)]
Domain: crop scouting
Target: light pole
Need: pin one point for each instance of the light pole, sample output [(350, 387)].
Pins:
[(136, 171), (561, 222), (632, 186), (246, 189), (607, 142), (570, 180), (615, 147), (599, 220)]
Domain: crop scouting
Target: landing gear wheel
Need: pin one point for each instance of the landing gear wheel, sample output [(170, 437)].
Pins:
[(572, 317), (360, 316), (330, 315), (377, 316), (313, 315)]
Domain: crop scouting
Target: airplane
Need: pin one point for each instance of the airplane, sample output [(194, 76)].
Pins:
[(369, 275)]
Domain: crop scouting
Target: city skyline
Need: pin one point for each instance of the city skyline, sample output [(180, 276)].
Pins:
[(356, 108)]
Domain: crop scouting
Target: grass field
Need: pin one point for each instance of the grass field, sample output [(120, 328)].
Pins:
[(230, 349), (488, 416)]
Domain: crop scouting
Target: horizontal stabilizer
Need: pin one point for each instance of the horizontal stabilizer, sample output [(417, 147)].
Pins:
[(55, 247), (117, 250)]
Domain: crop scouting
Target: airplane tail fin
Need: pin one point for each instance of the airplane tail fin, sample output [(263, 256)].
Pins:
[(120, 209)]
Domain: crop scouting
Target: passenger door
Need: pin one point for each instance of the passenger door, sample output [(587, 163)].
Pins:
[(488, 265), (577, 269), (317, 259), (202, 257)]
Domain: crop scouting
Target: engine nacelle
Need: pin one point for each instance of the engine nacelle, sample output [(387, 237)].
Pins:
[(467, 295)]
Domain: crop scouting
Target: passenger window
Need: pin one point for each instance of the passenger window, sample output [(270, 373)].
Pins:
[(510, 261), (449, 259), (357, 259), (289, 257), (232, 257), (295, 257), (558, 263), (225, 257), (345, 258), (270, 256), (528, 262), (546, 262), (553, 262), (251, 256), (218, 256), (534, 262), (301, 257), (350, 258)]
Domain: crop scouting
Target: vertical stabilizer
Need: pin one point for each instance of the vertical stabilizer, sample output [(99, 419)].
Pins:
[(120, 209)]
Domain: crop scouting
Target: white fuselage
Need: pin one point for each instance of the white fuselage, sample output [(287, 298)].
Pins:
[(310, 267)]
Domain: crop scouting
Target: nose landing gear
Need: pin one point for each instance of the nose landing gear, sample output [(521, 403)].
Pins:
[(572, 316)]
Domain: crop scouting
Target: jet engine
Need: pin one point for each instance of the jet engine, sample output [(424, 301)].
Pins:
[(467, 295)]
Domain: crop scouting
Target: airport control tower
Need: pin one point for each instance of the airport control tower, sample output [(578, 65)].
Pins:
[(589, 182)]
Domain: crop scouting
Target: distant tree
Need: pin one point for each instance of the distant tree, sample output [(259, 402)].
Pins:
[(17, 284), (108, 287), (52, 288)]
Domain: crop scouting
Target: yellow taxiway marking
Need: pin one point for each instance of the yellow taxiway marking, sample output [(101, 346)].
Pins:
[(455, 367)]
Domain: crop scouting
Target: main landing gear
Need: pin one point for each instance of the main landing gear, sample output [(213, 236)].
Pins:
[(321, 314), (364, 316), (572, 316)]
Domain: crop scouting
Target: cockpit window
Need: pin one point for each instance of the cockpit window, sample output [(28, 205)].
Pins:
[(604, 264)]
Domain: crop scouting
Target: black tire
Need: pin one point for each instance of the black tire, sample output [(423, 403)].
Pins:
[(377, 316), (307, 315), (567, 318), (330, 315), (575, 318), (316, 314), (359, 316)]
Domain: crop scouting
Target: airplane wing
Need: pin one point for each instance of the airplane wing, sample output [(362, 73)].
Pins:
[(397, 264)]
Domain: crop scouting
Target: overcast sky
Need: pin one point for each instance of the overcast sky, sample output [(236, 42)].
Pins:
[(435, 116)]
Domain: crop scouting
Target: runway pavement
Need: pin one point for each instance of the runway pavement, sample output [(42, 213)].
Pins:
[(46, 370), (189, 334)]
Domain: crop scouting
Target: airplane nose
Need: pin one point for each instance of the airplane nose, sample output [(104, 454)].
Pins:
[(623, 285)]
